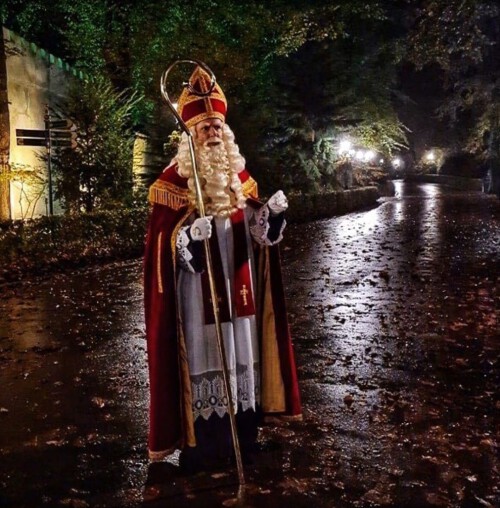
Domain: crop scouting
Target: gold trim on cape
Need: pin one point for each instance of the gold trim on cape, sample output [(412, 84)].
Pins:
[(272, 385), (158, 263), (277, 419), (250, 188), (159, 456), (168, 194)]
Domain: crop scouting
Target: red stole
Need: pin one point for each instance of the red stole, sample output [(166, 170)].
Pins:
[(244, 301)]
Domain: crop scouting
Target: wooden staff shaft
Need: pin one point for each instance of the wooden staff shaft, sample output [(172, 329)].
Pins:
[(215, 305), (208, 256)]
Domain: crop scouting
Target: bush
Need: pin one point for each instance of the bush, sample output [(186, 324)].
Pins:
[(55, 243), (70, 240), (304, 207), (461, 164)]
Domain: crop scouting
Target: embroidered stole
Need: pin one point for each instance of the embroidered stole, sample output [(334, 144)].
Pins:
[(244, 300)]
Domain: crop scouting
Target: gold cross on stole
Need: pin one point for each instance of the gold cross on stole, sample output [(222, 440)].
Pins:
[(244, 292)]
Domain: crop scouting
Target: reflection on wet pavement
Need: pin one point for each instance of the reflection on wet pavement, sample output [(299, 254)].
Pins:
[(394, 313)]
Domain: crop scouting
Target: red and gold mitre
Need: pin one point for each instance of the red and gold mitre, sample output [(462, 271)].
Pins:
[(193, 108)]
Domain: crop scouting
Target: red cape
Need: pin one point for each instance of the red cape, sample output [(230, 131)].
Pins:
[(171, 424)]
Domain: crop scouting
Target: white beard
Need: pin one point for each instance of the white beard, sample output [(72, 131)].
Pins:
[(219, 180), (215, 175)]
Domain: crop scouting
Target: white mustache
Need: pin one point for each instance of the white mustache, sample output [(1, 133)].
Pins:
[(210, 142)]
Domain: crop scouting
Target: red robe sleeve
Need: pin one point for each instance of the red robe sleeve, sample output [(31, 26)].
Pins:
[(170, 206)]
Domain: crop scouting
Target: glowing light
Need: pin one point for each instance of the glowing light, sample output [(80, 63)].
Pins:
[(360, 155), (369, 155), (396, 162), (430, 156), (345, 146), (381, 161)]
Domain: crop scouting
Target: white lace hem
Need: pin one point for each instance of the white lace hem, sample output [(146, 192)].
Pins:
[(209, 395)]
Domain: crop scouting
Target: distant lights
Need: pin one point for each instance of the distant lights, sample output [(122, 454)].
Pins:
[(363, 155), (396, 162), (345, 147), (430, 156)]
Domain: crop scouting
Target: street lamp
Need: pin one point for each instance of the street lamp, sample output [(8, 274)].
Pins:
[(345, 147), (430, 156), (360, 155)]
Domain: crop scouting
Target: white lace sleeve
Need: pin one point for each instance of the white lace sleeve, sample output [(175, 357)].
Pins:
[(265, 228), (184, 256)]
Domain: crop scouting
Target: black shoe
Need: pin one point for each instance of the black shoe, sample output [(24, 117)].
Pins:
[(189, 463), (248, 457), (268, 446)]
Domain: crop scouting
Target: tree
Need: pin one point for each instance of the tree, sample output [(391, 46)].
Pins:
[(259, 51), (328, 89), (38, 21), (462, 38), (98, 173)]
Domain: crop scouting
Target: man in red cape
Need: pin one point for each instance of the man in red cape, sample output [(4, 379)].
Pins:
[(188, 406)]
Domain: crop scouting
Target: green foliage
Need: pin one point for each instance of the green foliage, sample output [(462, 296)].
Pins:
[(85, 34), (379, 129), (323, 92), (71, 240), (38, 21), (171, 146), (295, 71), (98, 173), (462, 38), (452, 34)]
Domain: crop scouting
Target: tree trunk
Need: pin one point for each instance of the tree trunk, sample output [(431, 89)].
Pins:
[(4, 135)]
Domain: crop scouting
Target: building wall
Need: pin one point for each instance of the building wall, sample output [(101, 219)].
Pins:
[(35, 80), (4, 138)]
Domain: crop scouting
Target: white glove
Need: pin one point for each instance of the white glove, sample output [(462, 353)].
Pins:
[(277, 203), (201, 229)]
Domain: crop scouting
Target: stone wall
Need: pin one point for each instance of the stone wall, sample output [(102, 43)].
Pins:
[(305, 208), (456, 182)]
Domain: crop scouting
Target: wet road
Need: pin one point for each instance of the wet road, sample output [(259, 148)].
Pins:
[(395, 316)]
